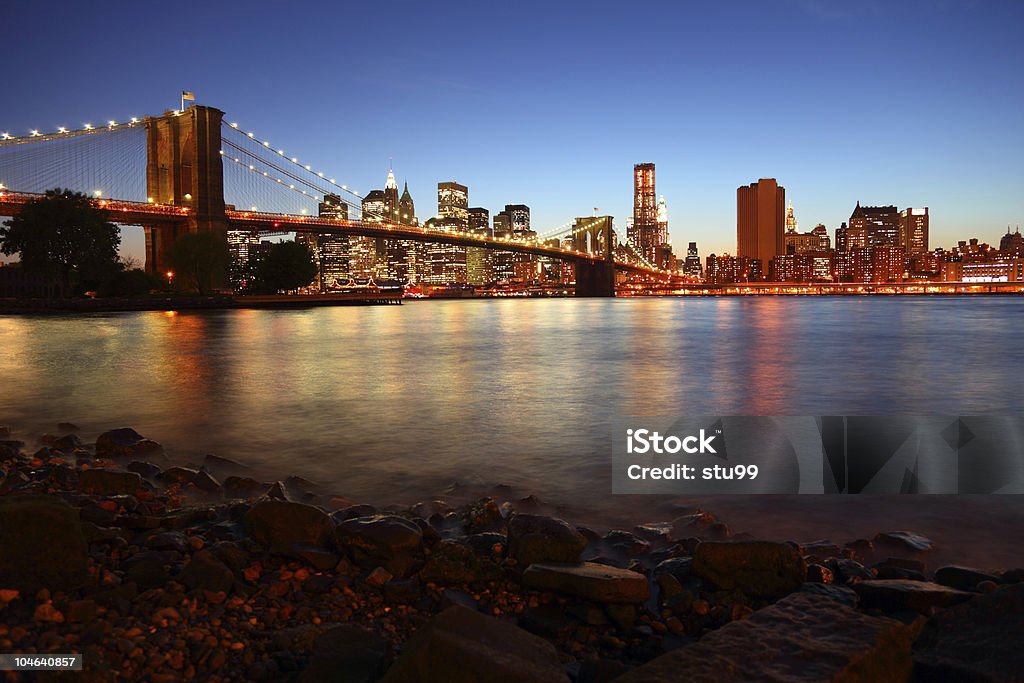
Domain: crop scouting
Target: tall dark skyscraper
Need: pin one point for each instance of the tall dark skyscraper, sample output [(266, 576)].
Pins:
[(406, 208), (760, 219), (644, 233), (692, 266)]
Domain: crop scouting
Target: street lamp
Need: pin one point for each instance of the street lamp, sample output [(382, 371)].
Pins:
[(170, 278)]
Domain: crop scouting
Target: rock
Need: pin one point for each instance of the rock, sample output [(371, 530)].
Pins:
[(802, 637), (149, 568), (700, 525), (626, 543), (548, 621), (484, 543), (757, 568), (817, 573), (273, 522), (206, 572), (979, 640), (484, 515), (534, 538), (241, 487), (347, 654), (41, 544), (125, 443), (821, 549), (601, 671), (842, 594), (590, 581), (463, 646), (67, 427), (168, 540), (353, 511), (204, 481), (849, 571), (146, 470), (906, 541), (109, 482), (898, 594), (963, 578), (315, 556), (453, 563), (679, 567), (379, 576), (394, 543), (223, 467), (67, 443)]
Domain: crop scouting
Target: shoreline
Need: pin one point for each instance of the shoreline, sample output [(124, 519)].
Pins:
[(117, 305), (165, 571)]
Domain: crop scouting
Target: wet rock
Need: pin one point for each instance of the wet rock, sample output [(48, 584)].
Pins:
[(817, 573), (67, 427), (534, 538), (223, 467), (241, 487), (963, 578), (382, 540), (484, 515), (41, 544), (125, 443), (353, 511), (277, 492), (206, 572), (150, 568), (849, 571), (898, 594), (899, 568), (800, 638), (278, 522), (548, 621), (590, 581), (67, 443), (347, 654), (842, 594), (462, 646), (757, 568), (679, 567), (178, 475), (204, 481), (146, 470), (315, 556), (821, 550), (979, 640), (168, 540), (905, 541), (625, 543), (454, 563), (109, 482), (699, 525), (485, 543)]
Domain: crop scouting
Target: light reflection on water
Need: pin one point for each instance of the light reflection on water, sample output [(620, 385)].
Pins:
[(393, 404)]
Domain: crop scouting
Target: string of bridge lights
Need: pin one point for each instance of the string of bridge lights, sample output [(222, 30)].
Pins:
[(306, 167), (65, 131)]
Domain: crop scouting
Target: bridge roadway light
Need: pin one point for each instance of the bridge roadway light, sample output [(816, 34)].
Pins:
[(97, 193)]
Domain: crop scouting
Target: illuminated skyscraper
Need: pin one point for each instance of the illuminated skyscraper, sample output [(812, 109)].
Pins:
[(692, 266), (478, 259), (453, 201), (503, 263), (913, 232), (790, 219), (329, 250), (644, 232), (363, 251), (760, 211), (873, 226)]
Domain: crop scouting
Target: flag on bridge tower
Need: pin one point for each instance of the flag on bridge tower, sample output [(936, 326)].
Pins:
[(187, 95)]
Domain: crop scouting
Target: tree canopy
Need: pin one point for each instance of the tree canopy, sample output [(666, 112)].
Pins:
[(63, 233), (200, 261), (283, 266)]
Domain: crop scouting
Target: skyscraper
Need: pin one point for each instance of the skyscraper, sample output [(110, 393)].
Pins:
[(760, 210), (406, 208), (914, 230), (363, 251), (692, 266), (502, 262), (873, 226), (644, 232), (453, 201), (332, 250), (478, 259), (791, 224)]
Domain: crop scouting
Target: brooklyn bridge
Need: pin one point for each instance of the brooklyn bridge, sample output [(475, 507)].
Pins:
[(189, 170)]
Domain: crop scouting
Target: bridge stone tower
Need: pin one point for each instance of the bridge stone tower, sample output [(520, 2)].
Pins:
[(184, 168), (596, 278)]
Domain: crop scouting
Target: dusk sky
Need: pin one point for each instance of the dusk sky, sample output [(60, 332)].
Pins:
[(550, 104)]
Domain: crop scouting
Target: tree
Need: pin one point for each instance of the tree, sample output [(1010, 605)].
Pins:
[(200, 261), (64, 233), (284, 266)]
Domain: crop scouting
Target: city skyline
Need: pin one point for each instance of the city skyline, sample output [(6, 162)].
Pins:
[(564, 140)]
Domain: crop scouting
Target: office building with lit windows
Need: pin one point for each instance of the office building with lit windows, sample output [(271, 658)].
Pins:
[(913, 230)]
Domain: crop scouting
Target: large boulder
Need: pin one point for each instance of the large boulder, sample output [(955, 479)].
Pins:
[(41, 544), (347, 654), (802, 637), (588, 580), (387, 541), (124, 443), (892, 595), (206, 572), (757, 568), (535, 538), (979, 640), (964, 578), (282, 524), (460, 645), (109, 482)]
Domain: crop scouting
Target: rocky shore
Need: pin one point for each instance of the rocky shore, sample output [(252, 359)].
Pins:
[(164, 573)]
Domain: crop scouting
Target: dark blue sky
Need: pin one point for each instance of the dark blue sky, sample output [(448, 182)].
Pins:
[(550, 104)]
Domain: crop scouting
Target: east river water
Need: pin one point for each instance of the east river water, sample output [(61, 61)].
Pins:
[(397, 404)]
